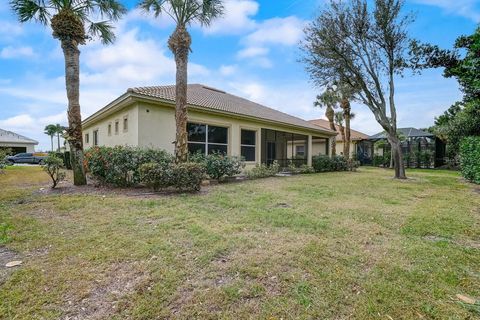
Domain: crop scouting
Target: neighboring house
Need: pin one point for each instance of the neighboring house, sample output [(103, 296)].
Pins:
[(217, 121), (355, 137), (16, 143), (417, 146)]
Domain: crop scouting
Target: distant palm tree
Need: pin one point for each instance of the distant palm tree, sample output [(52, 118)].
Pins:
[(72, 24), (329, 100), (50, 130), (339, 121), (345, 94), (184, 13), (59, 130)]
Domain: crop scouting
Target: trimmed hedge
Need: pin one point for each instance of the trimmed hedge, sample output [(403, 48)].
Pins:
[(120, 165), (263, 171), (218, 165), (470, 159), (184, 176)]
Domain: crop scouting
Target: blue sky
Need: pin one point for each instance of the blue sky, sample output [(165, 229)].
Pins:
[(252, 52)]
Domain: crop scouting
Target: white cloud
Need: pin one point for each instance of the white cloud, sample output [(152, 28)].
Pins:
[(252, 52), (9, 29), (465, 8), (278, 31), (237, 18), (16, 52), (228, 70)]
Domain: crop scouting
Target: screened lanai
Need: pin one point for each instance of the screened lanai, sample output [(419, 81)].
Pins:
[(421, 149)]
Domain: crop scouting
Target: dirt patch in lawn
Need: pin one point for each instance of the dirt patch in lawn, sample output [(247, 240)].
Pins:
[(105, 296), (6, 256)]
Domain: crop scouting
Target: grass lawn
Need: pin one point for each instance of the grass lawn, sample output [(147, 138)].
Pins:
[(323, 246)]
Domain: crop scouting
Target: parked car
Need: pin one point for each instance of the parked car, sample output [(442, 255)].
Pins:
[(33, 158)]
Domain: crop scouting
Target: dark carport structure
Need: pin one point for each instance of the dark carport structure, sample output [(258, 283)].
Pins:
[(421, 149)]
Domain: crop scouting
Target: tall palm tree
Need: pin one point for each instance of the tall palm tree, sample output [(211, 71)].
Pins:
[(59, 130), (72, 25), (50, 130), (184, 13), (328, 99), (344, 130), (345, 93)]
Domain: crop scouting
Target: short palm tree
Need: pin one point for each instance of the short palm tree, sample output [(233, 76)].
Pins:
[(345, 93), (50, 130), (184, 13), (72, 25), (329, 100)]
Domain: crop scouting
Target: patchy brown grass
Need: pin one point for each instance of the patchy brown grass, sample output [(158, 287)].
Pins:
[(324, 246)]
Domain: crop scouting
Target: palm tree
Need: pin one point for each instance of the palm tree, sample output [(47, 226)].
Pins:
[(50, 130), (328, 99), (345, 93), (72, 25), (59, 130), (344, 130), (184, 13)]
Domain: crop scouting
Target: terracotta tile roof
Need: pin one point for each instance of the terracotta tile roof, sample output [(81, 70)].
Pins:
[(210, 98), (354, 134), (12, 137)]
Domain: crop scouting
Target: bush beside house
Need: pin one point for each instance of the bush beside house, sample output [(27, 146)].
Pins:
[(470, 159), (324, 163), (218, 165)]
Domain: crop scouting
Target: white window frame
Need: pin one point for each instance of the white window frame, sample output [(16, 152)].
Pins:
[(117, 126), (87, 138), (109, 129), (303, 152), (125, 121), (206, 143), (95, 135)]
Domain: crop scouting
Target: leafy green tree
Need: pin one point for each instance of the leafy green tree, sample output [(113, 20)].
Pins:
[(365, 47), (72, 24), (184, 13), (50, 130), (463, 63), (328, 100)]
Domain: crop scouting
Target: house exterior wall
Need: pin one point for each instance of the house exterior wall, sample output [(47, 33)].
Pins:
[(29, 147), (128, 137), (153, 125), (353, 148)]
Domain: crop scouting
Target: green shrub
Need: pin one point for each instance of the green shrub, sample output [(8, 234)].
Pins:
[(188, 176), (157, 176), (352, 164), (3, 159), (53, 165), (218, 165), (324, 163), (470, 159), (120, 165), (302, 169), (263, 171)]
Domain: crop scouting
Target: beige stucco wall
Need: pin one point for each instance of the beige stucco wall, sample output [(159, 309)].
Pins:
[(153, 125), (339, 147), (129, 137)]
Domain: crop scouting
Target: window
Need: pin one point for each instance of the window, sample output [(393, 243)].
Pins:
[(247, 146), (117, 125), (300, 151), (207, 139), (87, 138), (95, 138), (125, 124), (109, 129)]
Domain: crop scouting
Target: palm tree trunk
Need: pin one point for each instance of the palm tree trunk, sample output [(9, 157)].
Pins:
[(342, 132), (329, 113), (74, 131), (179, 44), (58, 141), (346, 114), (51, 140)]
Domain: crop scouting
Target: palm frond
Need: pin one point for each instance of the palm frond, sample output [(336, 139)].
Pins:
[(155, 6), (102, 30), (112, 9), (209, 10), (27, 10)]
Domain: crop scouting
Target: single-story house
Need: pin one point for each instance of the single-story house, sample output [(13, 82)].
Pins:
[(16, 143), (420, 148), (217, 121), (355, 137)]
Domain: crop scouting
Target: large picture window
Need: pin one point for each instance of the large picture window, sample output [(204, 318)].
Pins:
[(207, 139), (248, 143)]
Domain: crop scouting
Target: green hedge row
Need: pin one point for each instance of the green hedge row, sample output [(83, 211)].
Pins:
[(470, 159)]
